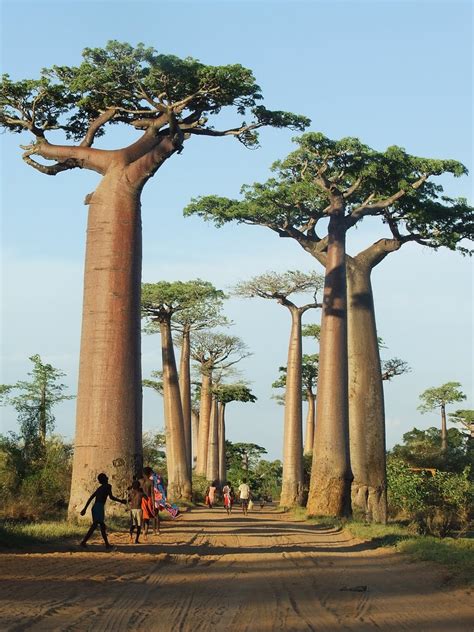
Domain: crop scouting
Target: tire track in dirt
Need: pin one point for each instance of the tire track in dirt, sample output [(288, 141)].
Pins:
[(213, 573)]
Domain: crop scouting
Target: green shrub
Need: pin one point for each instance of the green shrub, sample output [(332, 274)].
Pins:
[(438, 504)]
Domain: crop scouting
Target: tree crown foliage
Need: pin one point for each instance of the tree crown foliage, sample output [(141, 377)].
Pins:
[(226, 393), (136, 85), (464, 417), (394, 367), (324, 174), (191, 305), (278, 286), (212, 350), (155, 384), (160, 301), (309, 374), (438, 397), (36, 398), (422, 448)]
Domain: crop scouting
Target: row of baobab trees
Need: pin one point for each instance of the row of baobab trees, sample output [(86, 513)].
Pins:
[(318, 193), (194, 409)]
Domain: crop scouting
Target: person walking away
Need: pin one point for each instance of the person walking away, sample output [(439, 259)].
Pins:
[(135, 498), (244, 494), (227, 491), (148, 503), (212, 494), (98, 509)]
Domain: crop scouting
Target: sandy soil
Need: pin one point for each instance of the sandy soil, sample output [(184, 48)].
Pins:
[(210, 572)]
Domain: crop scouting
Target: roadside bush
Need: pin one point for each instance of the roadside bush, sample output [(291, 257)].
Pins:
[(437, 505), (32, 489)]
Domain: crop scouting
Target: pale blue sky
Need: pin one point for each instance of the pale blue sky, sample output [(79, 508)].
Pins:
[(388, 72)]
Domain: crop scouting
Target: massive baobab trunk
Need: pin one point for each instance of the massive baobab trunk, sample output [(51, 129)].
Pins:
[(292, 479), (221, 438), (195, 429), (109, 401), (213, 447), (366, 401), (178, 473), (330, 488), (204, 419), (185, 390), (310, 417)]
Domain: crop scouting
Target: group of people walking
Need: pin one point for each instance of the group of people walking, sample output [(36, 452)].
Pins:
[(228, 496), (146, 498)]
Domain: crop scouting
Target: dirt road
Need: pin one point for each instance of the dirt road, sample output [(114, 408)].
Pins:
[(210, 572)]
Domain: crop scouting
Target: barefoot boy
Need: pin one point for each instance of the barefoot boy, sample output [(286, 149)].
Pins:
[(98, 509)]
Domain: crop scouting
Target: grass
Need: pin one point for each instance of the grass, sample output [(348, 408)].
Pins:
[(14, 534)]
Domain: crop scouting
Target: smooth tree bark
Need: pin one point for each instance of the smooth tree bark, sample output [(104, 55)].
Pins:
[(204, 422), (195, 433), (221, 440), (167, 100), (179, 483), (292, 490), (213, 444), (185, 390), (278, 287), (109, 400), (366, 398), (331, 476), (308, 445)]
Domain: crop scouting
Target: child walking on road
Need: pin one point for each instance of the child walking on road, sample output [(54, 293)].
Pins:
[(98, 509), (136, 514)]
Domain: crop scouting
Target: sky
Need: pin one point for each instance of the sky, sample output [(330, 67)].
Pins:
[(390, 73)]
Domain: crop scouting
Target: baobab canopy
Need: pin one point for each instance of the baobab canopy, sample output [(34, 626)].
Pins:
[(392, 184), (137, 86)]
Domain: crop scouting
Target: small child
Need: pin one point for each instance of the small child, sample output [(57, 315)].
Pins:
[(135, 498), (98, 509)]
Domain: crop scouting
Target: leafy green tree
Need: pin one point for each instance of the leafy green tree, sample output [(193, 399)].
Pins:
[(242, 460), (279, 287), (154, 446), (440, 397), (345, 181), (225, 394), (422, 449), (464, 417), (34, 402), (166, 101), (267, 482)]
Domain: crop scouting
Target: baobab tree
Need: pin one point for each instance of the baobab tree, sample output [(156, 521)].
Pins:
[(309, 380), (225, 394), (346, 181), (200, 308), (159, 302), (440, 397), (212, 351), (279, 287), (167, 101)]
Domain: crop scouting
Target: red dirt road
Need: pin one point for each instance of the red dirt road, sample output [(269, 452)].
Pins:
[(210, 572)]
